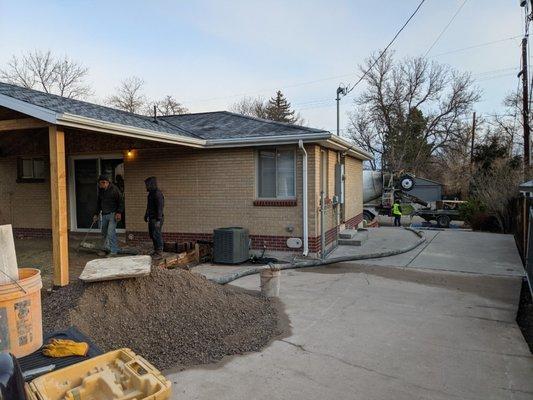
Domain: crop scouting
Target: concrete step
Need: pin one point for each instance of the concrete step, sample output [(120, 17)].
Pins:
[(350, 242), (353, 237), (347, 233)]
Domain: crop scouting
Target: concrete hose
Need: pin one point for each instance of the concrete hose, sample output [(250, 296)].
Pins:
[(222, 280)]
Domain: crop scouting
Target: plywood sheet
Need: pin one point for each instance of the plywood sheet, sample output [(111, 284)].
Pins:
[(8, 256)]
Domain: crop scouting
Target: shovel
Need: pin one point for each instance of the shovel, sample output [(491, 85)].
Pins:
[(84, 245)]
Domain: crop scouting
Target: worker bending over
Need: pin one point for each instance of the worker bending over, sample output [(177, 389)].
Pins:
[(110, 204), (397, 214), (154, 215)]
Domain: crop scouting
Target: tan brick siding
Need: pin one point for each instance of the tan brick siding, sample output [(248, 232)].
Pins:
[(353, 187), (205, 189), (24, 205)]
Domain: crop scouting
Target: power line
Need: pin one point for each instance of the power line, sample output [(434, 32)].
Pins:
[(445, 28), (386, 48), (477, 46)]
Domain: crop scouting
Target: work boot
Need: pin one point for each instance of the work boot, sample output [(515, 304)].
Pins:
[(157, 255)]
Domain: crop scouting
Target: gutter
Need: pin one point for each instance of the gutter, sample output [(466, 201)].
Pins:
[(277, 140), (305, 225), (75, 121)]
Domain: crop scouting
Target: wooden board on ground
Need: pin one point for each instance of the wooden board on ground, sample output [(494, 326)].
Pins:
[(107, 269), (8, 256), (181, 260)]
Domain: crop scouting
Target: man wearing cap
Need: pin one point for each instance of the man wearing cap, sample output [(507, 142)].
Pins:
[(110, 204)]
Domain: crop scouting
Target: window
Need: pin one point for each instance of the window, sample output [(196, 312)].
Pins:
[(31, 170), (276, 174), (324, 172)]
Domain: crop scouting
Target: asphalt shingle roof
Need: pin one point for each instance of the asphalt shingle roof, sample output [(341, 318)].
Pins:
[(210, 125)]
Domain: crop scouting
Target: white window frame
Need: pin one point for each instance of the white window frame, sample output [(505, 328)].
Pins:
[(72, 188), (276, 149)]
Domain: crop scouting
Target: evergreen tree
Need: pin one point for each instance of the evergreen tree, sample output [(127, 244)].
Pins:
[(279, 109)]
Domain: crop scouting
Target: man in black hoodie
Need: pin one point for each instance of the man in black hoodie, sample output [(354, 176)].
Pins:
[(154, 215)]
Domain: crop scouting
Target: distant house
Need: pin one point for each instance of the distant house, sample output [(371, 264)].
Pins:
[(216, 169)]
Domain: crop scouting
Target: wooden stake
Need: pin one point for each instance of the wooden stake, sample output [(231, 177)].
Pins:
[(58, 189)]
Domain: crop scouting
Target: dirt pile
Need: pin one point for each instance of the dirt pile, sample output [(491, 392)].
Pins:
[(173, 318)]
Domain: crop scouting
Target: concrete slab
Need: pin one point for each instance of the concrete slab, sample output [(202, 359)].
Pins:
[(8, 256), (376, 333), (380, 240), (473, 252), (461, 251), (107, 269)]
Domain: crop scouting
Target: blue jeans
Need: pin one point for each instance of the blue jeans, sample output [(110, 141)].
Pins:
[(109, 233)]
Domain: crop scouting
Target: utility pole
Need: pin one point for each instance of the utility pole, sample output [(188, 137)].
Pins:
[(340, 90), (525, 104), (473, 136)]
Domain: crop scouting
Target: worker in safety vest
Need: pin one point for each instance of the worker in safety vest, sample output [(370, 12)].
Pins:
[(397, 214)]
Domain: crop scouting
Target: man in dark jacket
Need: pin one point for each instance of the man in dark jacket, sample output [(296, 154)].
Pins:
[(110, 204), (154, 215)]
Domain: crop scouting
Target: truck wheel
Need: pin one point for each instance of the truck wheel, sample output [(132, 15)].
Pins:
[(407, 182), (443, 221)]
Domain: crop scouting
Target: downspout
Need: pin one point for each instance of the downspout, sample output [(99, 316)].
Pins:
[(305, 201)]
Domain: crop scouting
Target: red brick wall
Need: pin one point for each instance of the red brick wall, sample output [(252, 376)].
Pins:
[(352, 223)]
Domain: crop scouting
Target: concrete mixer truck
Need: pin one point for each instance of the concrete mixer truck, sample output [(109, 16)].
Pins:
[(381, 189)]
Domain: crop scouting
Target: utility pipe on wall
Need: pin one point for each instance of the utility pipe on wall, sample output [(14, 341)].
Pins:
[(304, 198)]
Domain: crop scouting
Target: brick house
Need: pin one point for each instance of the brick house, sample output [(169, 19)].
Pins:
[(216, 169)]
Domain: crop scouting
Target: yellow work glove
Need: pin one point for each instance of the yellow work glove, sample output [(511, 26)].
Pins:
[(64, 348)]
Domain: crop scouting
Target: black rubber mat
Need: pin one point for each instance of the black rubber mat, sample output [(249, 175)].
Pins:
[(38, 360)]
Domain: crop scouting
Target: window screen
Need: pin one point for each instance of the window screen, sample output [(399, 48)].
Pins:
[(276, 174)]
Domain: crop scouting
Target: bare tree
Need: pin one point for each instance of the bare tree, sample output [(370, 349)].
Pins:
[(129, 96), (496, 188), (508, 125), (410, 110), (168, 106), (47, 72), (251, 107)]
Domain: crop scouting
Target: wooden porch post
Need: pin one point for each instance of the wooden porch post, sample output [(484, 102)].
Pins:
[(58, 189)]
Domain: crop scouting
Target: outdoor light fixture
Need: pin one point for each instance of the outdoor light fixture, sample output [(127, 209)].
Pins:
[(130, 153)]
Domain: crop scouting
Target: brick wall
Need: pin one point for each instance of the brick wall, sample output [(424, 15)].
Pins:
[(354, 188), (24, 205), (207, 189)]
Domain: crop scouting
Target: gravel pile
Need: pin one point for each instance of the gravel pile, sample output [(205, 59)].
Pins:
[(173, 318)]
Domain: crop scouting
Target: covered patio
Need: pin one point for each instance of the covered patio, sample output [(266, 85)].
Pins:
[(48, 179)]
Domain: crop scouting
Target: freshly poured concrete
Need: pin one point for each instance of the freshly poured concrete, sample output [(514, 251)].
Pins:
[(447, 250), (379, 332)]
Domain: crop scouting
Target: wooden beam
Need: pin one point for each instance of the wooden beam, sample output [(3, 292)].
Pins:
[(58, 189), (22, 123)]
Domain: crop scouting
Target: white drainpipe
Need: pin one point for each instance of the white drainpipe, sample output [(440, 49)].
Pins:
[(305, 201)]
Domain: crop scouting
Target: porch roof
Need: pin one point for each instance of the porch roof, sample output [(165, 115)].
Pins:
[(205, 130)]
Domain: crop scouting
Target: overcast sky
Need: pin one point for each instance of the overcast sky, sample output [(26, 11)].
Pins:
[(208, 54)]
